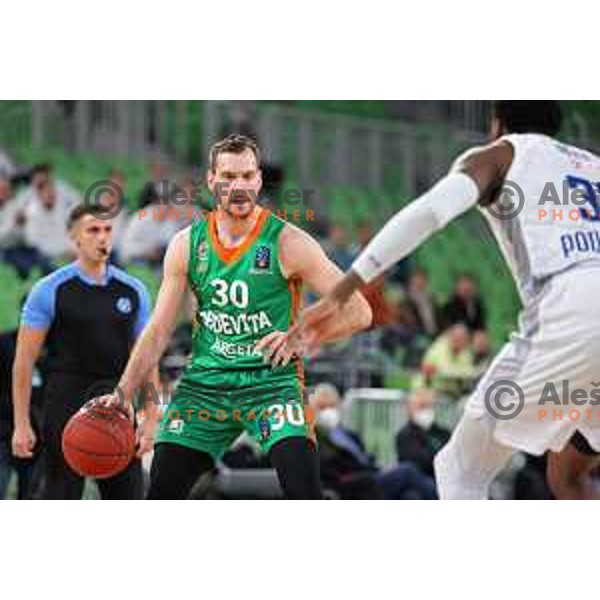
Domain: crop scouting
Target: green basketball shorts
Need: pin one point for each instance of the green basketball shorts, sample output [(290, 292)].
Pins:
[(207, 416)]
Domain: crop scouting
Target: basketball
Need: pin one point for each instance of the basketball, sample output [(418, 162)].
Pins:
[(98, 442)]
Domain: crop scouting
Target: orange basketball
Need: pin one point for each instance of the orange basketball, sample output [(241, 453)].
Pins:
[(98, 441)]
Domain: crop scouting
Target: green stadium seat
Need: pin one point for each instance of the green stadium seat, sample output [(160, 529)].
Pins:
[(12, 291)]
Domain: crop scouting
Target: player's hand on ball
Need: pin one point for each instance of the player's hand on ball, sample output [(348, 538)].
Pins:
[(114, 401), (275, 349), (23, 441)]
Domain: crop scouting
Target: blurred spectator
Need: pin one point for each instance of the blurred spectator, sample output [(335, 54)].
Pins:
[(42, 177), (422, 304), (158, 188), (400, 332), (47, 203), (337, 247), (13, 249), (46, 222), (146, 235), (7, 168), (348, 469), (480, 344), (465, 305), (421, 438), (12, 218), (448, 364)]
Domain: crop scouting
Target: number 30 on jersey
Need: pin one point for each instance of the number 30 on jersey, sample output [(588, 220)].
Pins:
[(224, 294)]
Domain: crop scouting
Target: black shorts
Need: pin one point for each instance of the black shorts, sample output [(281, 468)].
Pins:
[(64, 395)]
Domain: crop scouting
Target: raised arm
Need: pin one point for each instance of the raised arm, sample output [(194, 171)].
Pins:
[(301, 257), (474, 178)]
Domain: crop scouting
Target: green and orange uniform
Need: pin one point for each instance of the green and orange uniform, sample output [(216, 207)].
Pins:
[(228, 388)]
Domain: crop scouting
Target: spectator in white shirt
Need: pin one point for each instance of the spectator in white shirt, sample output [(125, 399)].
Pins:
[(146, 235), (46, 222), (42, 175), (13, 248), (11, 216)]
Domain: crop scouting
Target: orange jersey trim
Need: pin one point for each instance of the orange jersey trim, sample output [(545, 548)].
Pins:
[(230, 255)]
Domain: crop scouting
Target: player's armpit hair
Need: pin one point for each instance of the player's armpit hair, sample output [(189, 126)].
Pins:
[(449, 198)]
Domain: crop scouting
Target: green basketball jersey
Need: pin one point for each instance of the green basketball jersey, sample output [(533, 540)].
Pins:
[(242, 296)]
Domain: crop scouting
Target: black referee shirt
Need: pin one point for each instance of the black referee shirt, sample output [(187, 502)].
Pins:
[(91, 325)]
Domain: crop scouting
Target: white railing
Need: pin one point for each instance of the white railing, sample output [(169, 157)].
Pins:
[(378, 414), (316, 149)]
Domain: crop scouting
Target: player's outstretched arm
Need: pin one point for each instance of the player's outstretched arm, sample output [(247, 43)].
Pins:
[(303, 258), (473, 179), (156, 335)]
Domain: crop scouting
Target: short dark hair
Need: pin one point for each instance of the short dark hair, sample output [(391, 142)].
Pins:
[(81, 210), (234, 143), (529, 116), (45, 168)]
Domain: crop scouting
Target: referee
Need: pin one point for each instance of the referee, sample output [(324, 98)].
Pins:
[(88, 314)]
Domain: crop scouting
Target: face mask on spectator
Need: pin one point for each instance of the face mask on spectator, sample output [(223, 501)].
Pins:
[(424, 418), (329, 418)]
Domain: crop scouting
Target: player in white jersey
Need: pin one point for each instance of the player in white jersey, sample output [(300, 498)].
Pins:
[(555, 260)]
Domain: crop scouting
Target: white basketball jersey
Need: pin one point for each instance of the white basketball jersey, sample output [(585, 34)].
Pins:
[(558, 225)]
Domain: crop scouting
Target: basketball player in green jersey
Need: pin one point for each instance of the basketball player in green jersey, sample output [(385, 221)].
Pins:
[(245, 267)]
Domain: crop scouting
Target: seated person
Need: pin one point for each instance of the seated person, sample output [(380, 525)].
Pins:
[(346, 466), (449, 366), (13, 247), (145, 236), (46, 223), (465, 305), (421, 438)]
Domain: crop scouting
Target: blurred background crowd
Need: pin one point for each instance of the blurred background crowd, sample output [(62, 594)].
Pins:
[(385, 400)]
